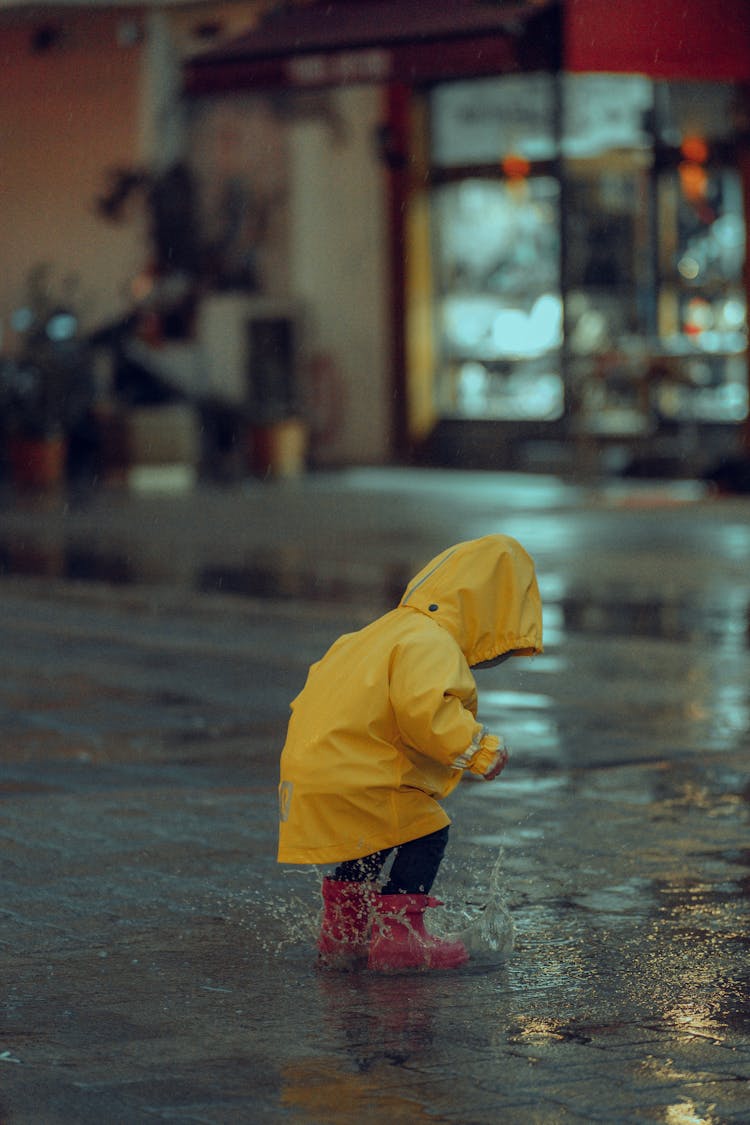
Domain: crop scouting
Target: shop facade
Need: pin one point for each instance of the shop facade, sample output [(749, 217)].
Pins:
[(564, 196)]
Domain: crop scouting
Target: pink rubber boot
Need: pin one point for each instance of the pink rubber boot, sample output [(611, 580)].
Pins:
[(345, 929), (400, 940)]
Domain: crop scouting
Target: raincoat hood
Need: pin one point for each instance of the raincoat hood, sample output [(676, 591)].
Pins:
[(484, 593)]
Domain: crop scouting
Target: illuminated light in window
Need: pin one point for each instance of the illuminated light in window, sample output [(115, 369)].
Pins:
[(61, 326), (689, 268), (546, 318), (515, 167), (517, 333), (22, 319), (468, 322), (711, 342), (590, 332), (542, 398), (510, 333), (729, 231), (734, 397), (473, 384), (699, 317), (669, 400), (694, 149), (693, 181), (733, 313)]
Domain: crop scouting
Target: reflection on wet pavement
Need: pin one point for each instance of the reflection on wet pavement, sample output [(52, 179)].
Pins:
[(608, 610)]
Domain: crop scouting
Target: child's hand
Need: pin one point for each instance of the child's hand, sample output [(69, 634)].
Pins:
[(497, 767), (491, 758)]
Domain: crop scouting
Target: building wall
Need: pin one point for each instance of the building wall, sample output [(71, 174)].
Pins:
[(100, 96), (68, 114), (238, 156), (339, 268)]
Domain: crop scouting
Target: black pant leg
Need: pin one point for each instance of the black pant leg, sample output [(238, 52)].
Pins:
[(361, 870), (416, 864)]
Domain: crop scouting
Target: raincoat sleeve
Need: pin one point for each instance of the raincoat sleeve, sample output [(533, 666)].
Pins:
[(434, 701)]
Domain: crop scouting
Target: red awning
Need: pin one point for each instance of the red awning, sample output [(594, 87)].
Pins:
[(679, 39), (324, 44), (347, 41)]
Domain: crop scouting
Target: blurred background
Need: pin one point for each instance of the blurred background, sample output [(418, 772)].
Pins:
[(256, 238)]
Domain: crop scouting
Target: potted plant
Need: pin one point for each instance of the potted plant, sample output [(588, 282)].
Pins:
[(46, 387)]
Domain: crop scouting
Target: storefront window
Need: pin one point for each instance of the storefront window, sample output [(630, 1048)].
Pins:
[(701, 311), (603, 113), (695, 109), (499, 305), (496, 248), (645, 255), (480, 121), (610, 254)]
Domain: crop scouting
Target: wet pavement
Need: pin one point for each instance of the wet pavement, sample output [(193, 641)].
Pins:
[(157, 963)]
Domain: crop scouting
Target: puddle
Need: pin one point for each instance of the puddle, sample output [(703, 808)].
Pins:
[(479, 917), (16, 788), (259, 577), (614, 612), (673, 619), (70, 563), (267, 582)]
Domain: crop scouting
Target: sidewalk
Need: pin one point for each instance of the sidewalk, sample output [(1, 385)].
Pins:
[(157, 963)]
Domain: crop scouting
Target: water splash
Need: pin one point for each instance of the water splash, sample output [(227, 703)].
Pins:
[(281, 926), (490, 929), (277, 925)]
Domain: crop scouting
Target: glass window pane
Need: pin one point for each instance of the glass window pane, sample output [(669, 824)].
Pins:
[(610, 290), (495, 237), (702, 210), (499, 310), (604, 112), (702, 305), (611, 293), (695, 109), (483, 120), (608, 228)]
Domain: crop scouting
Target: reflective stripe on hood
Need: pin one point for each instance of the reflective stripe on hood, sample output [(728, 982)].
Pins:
[(485, 593)]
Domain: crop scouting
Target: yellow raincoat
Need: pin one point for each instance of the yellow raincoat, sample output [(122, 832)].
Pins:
[(386, 723)]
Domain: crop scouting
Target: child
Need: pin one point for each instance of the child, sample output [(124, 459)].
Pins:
[(383, 729)]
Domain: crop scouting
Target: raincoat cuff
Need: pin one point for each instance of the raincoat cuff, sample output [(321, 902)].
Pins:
[(486, 755), (481, 754)]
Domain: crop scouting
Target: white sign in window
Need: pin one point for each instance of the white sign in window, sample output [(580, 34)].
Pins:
[(480, 121)]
